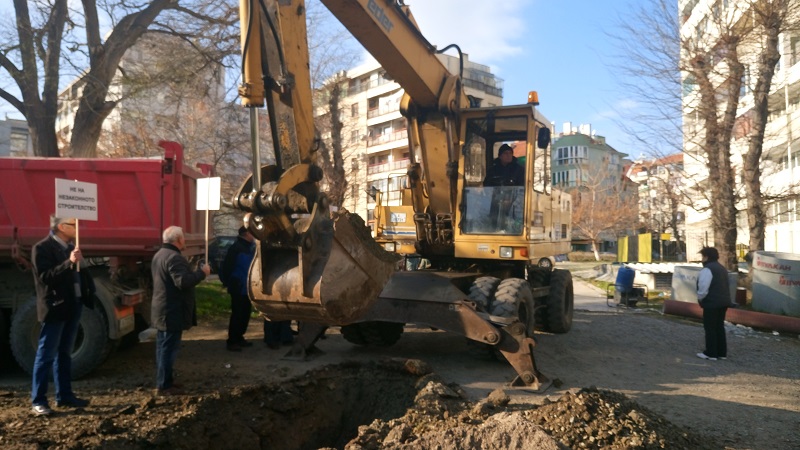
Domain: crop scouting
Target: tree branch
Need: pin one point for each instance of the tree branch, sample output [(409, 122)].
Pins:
[(15, 102)]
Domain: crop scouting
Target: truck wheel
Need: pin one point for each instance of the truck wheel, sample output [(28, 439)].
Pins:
[(90, 345), (482, 290), (5, 350), (373, 334), (560, 302), (539, 277)]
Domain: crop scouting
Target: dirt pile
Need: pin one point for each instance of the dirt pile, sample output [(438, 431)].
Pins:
[(404, 404)]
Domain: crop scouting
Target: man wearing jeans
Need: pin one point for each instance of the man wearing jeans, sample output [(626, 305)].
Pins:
[(60, 290), (173, 309)]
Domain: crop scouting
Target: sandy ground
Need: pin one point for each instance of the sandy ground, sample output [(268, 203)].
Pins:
[(750, 400)]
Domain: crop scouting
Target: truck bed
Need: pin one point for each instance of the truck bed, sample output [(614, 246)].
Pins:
[(137, 199)]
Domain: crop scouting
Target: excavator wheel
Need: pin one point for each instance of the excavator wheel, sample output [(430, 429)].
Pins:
[(373, 334), (560, 302), (515, 299), (512, 299), (482, 290), (539, 277)]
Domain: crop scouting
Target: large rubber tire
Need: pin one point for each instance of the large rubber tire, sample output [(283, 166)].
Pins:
[(5, 348), (560, 302), (539, 277), (515, 299), (373, 334), (482, 291), (91, 344)]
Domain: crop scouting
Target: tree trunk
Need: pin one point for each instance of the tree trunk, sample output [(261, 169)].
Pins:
[(42, 128), (594, 250), (770, 54)]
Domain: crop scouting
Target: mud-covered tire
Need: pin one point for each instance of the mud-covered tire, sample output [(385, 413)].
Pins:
[(514, 298), (482, 291), (91, 344), (538, 277), (560, 302), (5, 349), (373, 334)]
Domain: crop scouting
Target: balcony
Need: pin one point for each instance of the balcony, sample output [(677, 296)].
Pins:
[(387, 109), (401, 164), (361, 87), (387, 137)]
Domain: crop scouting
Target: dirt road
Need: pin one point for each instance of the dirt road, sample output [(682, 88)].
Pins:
[(751, 400)]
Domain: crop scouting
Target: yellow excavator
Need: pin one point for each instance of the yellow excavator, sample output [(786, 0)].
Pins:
[(489, 248)]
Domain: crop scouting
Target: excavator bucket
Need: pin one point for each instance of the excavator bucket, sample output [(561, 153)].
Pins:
[(332, 277)]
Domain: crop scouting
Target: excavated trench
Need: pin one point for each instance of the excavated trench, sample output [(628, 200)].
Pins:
[(389, 405), (322, 409)]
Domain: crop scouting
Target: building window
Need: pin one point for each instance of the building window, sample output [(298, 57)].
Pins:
[(19, 143), (354, 110)]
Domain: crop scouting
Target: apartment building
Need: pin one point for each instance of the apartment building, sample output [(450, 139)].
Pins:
[(376, 136), (583, 163), (15, 139)]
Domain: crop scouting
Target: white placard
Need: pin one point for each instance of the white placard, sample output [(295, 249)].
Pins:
[(76, 199), (208, 192)]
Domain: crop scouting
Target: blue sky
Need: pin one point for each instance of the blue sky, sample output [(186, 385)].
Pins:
[(558, 48)]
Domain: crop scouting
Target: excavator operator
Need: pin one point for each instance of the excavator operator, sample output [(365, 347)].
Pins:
[(505, 171)]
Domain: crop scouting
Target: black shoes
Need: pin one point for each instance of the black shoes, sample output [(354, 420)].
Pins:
[(73, 403)]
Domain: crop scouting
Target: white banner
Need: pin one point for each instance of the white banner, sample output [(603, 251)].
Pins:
[(76, 199)]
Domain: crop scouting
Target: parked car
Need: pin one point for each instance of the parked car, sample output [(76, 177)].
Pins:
[(217, 251)]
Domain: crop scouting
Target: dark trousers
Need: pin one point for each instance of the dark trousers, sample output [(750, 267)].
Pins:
[(714, 326), (167, 344), (241, 308), (279, 332), (54, 354)]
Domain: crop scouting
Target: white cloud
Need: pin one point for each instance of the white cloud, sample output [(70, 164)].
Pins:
[(489, 32)]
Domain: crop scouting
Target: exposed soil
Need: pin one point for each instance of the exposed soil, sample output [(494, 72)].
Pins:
[(621, 379)]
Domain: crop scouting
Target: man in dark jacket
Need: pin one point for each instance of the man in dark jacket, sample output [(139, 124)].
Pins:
[(173, 309), (61, 291), (714, 296), (505, 171), (233, 274)]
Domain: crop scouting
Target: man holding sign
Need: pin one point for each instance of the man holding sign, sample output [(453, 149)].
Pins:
[(61, 289)]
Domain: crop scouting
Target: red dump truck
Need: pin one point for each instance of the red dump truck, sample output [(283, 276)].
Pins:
[(137, 199)]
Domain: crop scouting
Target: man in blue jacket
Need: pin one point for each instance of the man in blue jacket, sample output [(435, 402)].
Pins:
[(233, 274), (714, 296), (174, 309)]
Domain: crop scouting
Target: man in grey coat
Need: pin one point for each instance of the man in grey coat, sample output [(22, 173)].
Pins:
[(174, 308)]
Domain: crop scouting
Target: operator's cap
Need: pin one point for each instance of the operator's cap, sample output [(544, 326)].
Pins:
[(504, 148)]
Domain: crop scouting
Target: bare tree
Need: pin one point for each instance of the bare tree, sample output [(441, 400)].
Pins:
[(49, 41), (770, 19), (706, 73), (603, 207)]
